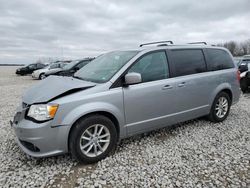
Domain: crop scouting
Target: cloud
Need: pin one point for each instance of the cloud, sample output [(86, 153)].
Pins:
[(32, 29)]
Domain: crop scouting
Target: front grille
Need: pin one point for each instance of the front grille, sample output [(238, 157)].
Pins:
[(30, 146)]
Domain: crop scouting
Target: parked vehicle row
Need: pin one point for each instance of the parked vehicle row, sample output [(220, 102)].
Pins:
[(70, 69), (60, 68), (123, 93)]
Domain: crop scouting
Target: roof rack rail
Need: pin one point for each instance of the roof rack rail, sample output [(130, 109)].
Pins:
[(161, 45), (168, 41), (198, 43)]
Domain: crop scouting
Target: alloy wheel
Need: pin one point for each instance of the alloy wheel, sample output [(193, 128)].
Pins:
[(95, 140), (221, 107), (42, 76)]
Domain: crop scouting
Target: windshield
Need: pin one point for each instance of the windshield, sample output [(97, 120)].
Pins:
[(54, 66), (245, 61), (70, 65), (31, 66), (102, 68)]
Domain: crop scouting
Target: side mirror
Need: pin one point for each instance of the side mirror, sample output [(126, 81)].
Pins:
[(76, 68), (133, 78)]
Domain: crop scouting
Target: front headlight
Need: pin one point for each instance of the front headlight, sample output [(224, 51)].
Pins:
[(42, 112)]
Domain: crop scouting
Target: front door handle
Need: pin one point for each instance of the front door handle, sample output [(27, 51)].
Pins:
[(182, 84), (167, 87)]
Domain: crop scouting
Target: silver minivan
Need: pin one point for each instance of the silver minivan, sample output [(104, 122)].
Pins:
[(123, 93)]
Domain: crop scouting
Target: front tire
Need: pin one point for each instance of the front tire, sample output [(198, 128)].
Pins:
[(220, 108), (92, 139), (42, 76)]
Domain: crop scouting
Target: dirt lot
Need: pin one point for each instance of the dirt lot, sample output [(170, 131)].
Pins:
[(192, 154)]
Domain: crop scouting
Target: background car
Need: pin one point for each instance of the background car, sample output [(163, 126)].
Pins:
[(70, 68), (28, 69), (244, 68), (40, 74)]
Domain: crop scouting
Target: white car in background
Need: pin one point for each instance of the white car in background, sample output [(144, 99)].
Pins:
[(54, 67)]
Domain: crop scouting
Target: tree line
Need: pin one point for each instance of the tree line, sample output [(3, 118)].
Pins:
[(237, 48)]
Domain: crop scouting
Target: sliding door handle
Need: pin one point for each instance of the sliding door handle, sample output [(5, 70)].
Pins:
[(182, 84), (167, 87)]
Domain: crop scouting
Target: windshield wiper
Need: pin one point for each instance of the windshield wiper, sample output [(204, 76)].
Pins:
[(78, 77)]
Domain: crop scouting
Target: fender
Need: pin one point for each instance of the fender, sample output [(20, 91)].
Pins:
[(92, 107), (218, 89)]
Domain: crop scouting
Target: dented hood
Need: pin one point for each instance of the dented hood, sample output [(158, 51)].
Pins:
[(54, 87)]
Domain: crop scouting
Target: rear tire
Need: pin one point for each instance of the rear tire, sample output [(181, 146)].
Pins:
[(243, 85), (220, 108), (89, 144)]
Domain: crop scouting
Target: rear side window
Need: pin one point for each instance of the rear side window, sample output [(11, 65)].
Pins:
[(188, 61), (219, 60)]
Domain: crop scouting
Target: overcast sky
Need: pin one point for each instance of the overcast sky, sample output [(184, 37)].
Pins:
[(30, 29)]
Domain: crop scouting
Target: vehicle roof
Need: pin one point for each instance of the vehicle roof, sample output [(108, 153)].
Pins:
[(80, 60), (62, 61), (74, 62), (186, 46), (87, 59), (34, 64)]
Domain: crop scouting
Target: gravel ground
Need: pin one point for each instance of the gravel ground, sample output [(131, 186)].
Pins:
[(192, 154)]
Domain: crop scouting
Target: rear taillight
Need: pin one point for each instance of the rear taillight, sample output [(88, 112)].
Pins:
[(238, 76)]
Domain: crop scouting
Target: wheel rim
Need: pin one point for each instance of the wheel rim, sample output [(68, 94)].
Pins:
[(95, 140), (221, 107), (43, 76)]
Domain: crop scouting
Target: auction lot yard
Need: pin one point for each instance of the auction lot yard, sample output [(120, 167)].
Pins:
[(192, 154)]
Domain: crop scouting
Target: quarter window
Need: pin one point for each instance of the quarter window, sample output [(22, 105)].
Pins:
[(152, 67), (219, 60), (186, 62)]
